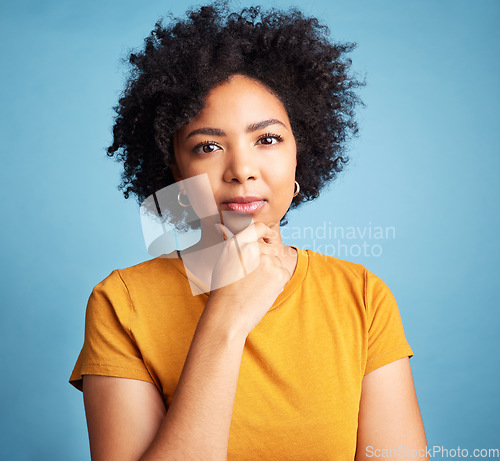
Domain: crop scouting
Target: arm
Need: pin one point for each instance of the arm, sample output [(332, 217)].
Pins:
[(389, 416), (127, 419), (123, 416)]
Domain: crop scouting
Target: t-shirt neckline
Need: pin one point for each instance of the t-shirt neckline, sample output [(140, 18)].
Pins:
[(297, 277), (295, 281)]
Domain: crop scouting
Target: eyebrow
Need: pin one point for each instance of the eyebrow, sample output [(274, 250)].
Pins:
[(250, 128)]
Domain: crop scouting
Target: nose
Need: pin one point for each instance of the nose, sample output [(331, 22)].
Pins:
[(241, 165)]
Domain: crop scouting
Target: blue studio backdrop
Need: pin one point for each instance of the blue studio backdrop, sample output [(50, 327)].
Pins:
[(417, 204)]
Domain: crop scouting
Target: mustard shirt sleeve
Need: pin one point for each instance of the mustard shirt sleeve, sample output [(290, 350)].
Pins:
[(386, 337), (109, 348)]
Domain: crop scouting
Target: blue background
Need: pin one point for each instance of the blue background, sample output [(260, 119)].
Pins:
[(426, 163)]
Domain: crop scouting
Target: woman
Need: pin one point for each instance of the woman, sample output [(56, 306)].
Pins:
[(288, 354)]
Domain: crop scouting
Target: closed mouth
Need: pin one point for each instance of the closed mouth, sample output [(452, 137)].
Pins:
[(245, 207)]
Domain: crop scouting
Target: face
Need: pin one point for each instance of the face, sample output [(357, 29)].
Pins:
[(243, 141)]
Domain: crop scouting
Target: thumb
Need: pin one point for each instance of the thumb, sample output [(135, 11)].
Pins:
[(271, 236), (224, 231)]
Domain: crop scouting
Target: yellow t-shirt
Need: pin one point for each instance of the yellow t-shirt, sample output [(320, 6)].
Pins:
[(300, 380)]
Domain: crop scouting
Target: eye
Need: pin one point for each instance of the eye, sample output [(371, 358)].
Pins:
[(269, 139), (206, 147)]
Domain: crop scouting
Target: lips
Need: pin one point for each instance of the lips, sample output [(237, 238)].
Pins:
[(244, 205)]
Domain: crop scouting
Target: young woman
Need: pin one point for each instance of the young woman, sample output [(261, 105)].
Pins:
[(288, 354)]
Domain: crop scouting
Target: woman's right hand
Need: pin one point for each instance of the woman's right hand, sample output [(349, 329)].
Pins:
[(248, 275)]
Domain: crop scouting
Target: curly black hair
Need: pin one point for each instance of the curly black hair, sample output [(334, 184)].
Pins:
[(289, 53)]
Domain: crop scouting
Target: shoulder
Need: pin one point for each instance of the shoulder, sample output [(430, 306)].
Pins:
[(156, 271), (320, 264), (351, 276)]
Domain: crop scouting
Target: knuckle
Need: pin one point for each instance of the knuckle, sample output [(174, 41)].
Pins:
[(267, 260), (261, 227)]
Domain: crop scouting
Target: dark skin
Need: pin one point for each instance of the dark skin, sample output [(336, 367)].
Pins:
[(240, 162), (127, 419)]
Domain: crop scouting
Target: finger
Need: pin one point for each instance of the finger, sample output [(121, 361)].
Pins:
[(275, 234), (258, 231), (267, 234), (224, 231), (267, 249)]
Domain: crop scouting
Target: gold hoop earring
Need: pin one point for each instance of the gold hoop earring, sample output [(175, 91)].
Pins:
[(297, 186), (180, 201)]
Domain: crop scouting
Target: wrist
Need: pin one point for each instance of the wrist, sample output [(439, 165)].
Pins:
[(222, 314)]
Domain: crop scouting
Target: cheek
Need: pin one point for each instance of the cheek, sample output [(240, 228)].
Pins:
[(189, 168), (282, 181), (289, 165), (199, 188)]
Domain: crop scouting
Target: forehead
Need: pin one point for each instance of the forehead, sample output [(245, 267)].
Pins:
[(237, 103)]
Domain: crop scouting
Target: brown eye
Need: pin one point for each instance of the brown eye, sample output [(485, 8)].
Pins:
[(269, 139), (206, 148)]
